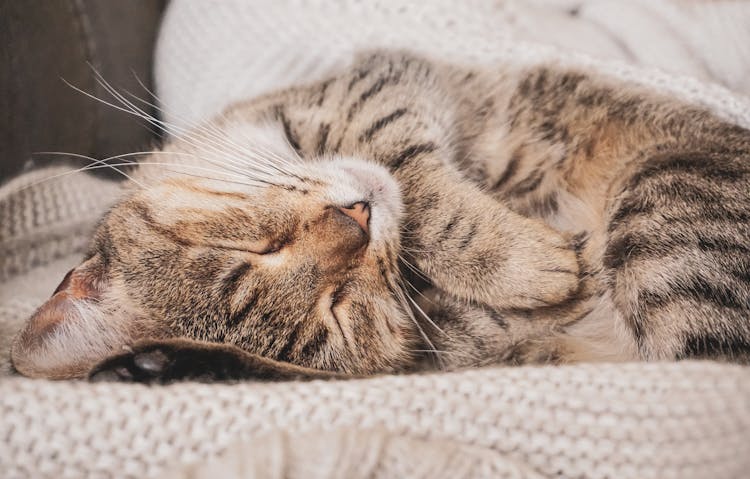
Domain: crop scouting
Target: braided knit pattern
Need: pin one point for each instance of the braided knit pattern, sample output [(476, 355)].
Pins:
[(667, 420)]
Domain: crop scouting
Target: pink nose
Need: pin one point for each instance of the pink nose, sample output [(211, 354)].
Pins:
[(359, 212)]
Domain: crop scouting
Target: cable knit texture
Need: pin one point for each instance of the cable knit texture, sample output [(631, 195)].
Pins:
[(668, 420)]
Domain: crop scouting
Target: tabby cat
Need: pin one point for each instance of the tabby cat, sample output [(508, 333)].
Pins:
[(534, 215)]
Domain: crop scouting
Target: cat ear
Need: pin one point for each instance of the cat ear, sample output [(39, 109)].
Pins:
[(74, 329)]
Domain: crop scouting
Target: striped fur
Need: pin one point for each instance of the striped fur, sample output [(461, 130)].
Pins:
[(544, 215)]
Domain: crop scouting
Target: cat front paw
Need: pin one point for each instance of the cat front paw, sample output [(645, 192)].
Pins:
[(162, 362), (548, 273), (179, 359)]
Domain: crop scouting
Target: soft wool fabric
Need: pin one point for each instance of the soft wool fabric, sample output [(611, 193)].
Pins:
[(213, 53), (686, 420)]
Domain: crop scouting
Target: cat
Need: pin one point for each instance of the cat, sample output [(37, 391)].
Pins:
[(534, 214)]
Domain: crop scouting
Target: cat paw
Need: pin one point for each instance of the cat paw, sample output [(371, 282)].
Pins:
[(547, 273), (181, 359), (155, 362)]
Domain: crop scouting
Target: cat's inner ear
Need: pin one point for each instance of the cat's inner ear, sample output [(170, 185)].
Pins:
[(74, 329)]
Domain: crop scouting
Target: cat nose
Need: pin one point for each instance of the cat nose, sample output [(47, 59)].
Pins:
[(359, 212)]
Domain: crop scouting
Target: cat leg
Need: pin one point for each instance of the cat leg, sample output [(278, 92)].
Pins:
[(477, 249), (467, 334), (180, 359)]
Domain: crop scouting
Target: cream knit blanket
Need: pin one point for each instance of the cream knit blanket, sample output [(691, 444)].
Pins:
[(627, 421), (686, 420)]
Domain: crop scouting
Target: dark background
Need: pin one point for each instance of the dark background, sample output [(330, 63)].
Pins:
[(45, 41)]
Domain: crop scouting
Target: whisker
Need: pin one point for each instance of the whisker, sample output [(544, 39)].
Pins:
[(142, 153), (215, 133), (219, 137), (195, 167), (205, 126), (408, 283), (134, 110), (103, 164), (402, 296), (426, 316), (129, 108), (413, 268), (98, 164), (262, 183), (402, 299)]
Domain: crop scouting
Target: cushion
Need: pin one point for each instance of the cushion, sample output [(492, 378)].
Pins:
[(51, 43)]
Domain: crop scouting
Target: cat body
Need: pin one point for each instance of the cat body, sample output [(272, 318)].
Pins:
[(535, 215)]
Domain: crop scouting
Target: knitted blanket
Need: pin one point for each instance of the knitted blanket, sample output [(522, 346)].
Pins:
[(687, 420)]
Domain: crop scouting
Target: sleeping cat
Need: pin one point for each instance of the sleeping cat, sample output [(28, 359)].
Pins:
[(535, 215)]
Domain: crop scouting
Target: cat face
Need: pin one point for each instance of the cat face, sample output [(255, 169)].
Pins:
[(300, 267)]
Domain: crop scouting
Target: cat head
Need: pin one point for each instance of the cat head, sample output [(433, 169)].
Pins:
[(292, 260)]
